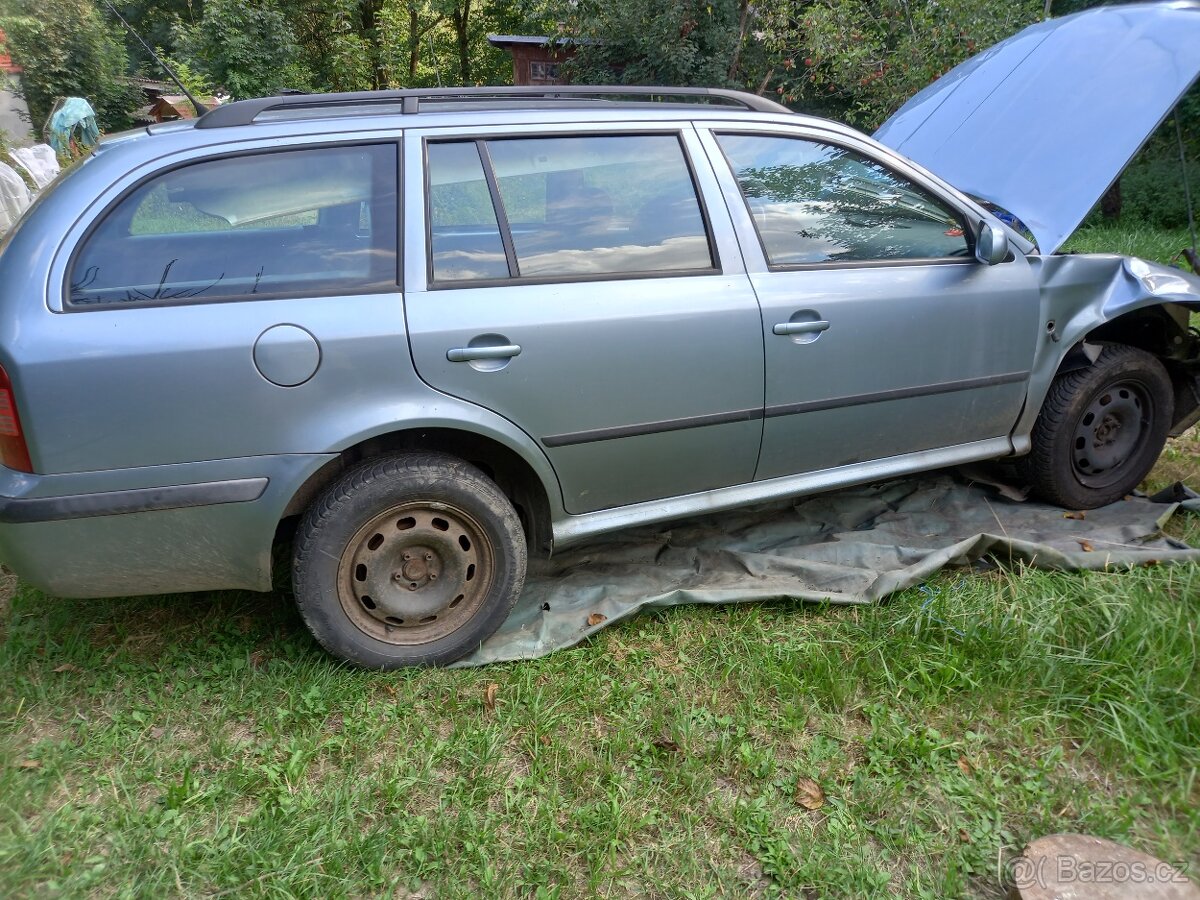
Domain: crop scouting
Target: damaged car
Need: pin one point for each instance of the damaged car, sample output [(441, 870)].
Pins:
[(432, 331)]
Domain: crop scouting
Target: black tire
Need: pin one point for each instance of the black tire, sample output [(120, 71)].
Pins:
[(1101, 429), (408, 560)]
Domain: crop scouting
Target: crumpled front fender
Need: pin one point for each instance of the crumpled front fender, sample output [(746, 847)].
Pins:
[(1080, 294)]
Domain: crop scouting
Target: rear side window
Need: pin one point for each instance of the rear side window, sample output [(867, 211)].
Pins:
[(815, 203), (567, 207), (294, 223)]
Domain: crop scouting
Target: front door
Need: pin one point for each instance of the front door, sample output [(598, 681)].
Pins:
[(883, 335), (577, 286)]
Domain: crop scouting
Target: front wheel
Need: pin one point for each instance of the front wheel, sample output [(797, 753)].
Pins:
[(412, 559), (1101, 429)]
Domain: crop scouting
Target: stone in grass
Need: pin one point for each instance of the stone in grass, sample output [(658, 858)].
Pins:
[(1082, 867)]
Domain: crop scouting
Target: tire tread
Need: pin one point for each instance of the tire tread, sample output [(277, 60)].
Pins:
[(1044, 468), (412, 467)]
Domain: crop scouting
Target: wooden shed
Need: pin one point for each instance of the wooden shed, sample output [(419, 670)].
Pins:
[(536, 60)]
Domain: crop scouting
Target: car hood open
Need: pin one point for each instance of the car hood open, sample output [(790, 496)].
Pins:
[(1042, 123)]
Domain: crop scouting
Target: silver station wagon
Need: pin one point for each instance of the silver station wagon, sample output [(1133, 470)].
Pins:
[(431, 329)]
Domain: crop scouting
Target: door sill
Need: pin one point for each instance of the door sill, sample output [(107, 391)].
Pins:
[(572, 529)]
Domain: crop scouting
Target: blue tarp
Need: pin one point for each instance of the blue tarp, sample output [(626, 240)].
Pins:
[(74, 119)]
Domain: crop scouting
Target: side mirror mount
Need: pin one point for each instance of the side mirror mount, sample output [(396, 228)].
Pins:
[(991, 246)]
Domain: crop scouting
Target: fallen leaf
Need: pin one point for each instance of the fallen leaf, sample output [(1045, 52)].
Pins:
[(489, 696), (1080, 514), (68, 667), (1086, 546), (156, 733), (964, 765), (29, 764), (596, 618), (544, 740), (809, 793)]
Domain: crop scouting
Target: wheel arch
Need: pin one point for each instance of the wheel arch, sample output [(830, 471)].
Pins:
[(1162, 330), (1089, 300), (521, 481)]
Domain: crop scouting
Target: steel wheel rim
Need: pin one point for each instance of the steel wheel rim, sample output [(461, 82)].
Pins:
[(1110, 432), (415, 573)]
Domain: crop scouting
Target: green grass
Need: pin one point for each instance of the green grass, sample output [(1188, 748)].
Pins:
[(194, 745), (1160, 245), (202, 745)]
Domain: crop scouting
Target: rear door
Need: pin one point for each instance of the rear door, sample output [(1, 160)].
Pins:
[(884, 336), (577, 285)]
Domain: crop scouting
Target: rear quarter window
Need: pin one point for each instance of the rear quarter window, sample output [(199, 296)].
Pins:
[(290, 223)]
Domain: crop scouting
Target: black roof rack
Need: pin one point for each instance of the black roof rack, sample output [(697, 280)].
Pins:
[(244, 112)]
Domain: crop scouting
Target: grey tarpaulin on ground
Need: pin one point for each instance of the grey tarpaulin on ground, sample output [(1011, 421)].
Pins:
[(854, 546)]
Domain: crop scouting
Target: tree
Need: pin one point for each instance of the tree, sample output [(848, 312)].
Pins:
[(851, 59), (155, 21), (668, 42), (246, 46), (861, 60), (66, 49)]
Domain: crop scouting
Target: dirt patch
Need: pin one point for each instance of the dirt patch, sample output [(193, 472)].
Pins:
[(8, 587)]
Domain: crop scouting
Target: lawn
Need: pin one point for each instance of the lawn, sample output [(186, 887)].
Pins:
[(202, 745)]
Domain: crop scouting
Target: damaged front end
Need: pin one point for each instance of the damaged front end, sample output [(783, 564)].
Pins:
[(1093, 299)]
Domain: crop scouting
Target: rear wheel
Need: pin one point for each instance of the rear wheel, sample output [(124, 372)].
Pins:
[(1101, 429), (413, 559)]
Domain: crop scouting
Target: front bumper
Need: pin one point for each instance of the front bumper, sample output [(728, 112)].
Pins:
[(158, 529)]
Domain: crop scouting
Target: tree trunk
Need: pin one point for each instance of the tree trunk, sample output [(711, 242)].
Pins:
[(743, 23), (369, 30), (1110, 203), (414, 44), (461, 19)]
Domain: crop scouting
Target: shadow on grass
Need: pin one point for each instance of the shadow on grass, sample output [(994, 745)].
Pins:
[(158, 632)]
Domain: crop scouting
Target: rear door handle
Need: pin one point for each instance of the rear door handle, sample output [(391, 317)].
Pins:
[(466, 354), (801, 327)]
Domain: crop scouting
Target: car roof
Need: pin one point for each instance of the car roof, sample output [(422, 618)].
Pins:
[(374, 111), (414, 101)]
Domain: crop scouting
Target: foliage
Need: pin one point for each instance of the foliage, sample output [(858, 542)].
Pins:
[(862, 60), (67, 49), (255, 48), (248, 48), (668, 42), (1152, 191), (198, 83), (155, 21)]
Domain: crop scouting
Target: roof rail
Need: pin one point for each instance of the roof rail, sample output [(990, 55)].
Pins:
[(244, 112)]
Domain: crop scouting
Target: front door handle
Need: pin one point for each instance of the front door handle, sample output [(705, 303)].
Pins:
[(814, 327), (466, 354)]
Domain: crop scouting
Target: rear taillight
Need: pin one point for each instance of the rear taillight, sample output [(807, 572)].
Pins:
[(13, 452)]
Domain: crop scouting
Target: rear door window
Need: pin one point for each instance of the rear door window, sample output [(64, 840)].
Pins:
[(292, 223), (566, 207)]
